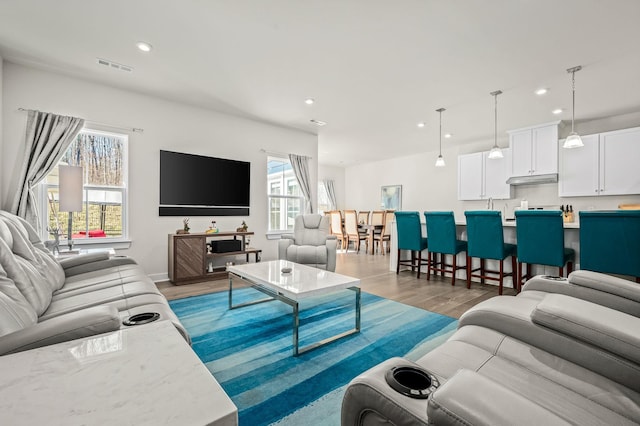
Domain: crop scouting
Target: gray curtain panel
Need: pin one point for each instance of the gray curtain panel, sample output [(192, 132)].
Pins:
[(300, 165), (331, 193), (47, 138)]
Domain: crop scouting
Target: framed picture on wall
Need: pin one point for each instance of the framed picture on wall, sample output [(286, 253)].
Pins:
[(391, 197)]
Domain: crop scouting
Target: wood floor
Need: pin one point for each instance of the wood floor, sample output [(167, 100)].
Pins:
[(437, 295)]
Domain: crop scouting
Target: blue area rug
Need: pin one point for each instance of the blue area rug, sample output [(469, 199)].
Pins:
[(249, 349)]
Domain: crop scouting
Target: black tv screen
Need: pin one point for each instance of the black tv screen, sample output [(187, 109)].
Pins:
[(198, 185)]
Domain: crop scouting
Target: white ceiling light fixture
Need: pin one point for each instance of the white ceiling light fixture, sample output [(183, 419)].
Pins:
[(541, 91), (421, 125), (440, 159), (573, 140), (557, 111), (309, 101), (495, 152), (144, 46), (448, 135)]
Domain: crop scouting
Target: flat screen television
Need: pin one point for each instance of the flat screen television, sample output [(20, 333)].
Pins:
[(196, 185)]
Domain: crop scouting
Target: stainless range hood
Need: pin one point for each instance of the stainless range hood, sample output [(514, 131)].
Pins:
[(532, 180)]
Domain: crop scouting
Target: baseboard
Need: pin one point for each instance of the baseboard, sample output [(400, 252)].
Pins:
[(159, 277)]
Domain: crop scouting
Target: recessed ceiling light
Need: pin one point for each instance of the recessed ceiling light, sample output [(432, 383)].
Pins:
[(447, 135), (309, 101), (557, 111), (541, 91), (318, 122), (145, 47), (421, 125)]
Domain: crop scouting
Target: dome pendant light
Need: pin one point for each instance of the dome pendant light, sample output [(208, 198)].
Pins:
[(573, 140), (495, 152), (440, 160)]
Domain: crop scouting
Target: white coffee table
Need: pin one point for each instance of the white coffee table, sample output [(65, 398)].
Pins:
[(302, 282)]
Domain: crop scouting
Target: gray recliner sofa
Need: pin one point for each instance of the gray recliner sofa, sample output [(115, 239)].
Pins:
[(311, 243), (45, 301), (564, 351)]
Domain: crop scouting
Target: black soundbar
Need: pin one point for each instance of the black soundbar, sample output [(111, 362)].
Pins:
[(203, 211)]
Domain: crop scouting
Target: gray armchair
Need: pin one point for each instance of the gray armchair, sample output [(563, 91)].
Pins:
[(311, 243)]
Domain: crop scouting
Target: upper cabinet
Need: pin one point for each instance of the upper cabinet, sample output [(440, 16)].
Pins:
[(481, 178), (606, 165), (534, 150)]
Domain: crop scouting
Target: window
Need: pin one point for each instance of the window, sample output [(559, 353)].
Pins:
[(103, 157), (285, 205), (324, 204)]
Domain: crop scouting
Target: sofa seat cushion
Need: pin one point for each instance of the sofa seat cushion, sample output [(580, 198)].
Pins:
[(308, 255), (103, 278), (122, 297), (564, 388)]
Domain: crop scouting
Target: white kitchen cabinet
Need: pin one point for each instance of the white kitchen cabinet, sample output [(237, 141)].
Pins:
[(534, 150), (606, 165), (481, 178)]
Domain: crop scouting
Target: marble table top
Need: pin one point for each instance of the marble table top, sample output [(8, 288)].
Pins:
[(144, 375)]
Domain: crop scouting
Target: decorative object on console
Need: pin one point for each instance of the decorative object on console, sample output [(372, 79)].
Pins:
[(440, 160), (70, 195), (243, 227), (185, 226), (573, 140), (495, 152), (213, 228)]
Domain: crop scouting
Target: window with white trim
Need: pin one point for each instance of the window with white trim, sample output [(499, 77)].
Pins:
[(324, 204), (283, 194), (103, 157)]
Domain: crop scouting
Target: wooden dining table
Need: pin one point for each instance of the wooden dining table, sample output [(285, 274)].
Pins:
[(370, 233)]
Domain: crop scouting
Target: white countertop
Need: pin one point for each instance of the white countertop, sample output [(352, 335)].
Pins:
[(144, 375)]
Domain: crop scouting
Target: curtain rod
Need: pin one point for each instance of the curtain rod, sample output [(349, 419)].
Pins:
[(280, 154), (131, 129)]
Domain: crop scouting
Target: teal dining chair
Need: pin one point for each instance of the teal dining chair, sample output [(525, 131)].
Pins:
[(409, 232), (485, 240), (610, 242), (441, 232), (540, 235)]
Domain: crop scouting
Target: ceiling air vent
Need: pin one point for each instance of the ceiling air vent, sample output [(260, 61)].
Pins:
[(114, 65), (318, 122)]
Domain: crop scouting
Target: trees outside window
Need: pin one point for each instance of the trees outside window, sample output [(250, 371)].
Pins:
[(103, 158)]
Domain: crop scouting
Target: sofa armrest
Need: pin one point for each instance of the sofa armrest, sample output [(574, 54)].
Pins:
[(613, 331), (469, 398), (606, 290), (332, 245), (75, 325), (283, 244), (82, 259), (97, 261)]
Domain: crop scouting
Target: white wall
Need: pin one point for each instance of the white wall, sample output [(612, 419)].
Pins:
[(167, 125), (425, 187), (336, 174)]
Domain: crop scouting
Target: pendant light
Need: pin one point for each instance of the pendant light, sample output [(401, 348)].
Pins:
[(495, 152), (440, 160), (573, 140)]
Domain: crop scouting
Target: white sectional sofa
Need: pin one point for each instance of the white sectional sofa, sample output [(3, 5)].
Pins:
[(564, 351), (45, 301)]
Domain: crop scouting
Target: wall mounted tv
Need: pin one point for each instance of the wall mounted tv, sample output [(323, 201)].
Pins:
[(195, 185)]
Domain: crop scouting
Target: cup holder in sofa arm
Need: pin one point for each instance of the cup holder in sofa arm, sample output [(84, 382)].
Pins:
[(411, 381), (143, 318)]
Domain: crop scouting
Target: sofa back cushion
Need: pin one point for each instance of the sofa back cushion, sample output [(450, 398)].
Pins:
[(15, 312), (26, 261)]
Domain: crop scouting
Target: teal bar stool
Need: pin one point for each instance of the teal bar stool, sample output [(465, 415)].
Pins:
[(610, 242), (409, 231), (485, 240), (540, 235), (441, 232)]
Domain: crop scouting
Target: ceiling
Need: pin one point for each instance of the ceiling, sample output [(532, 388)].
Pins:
[(374, 67)]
